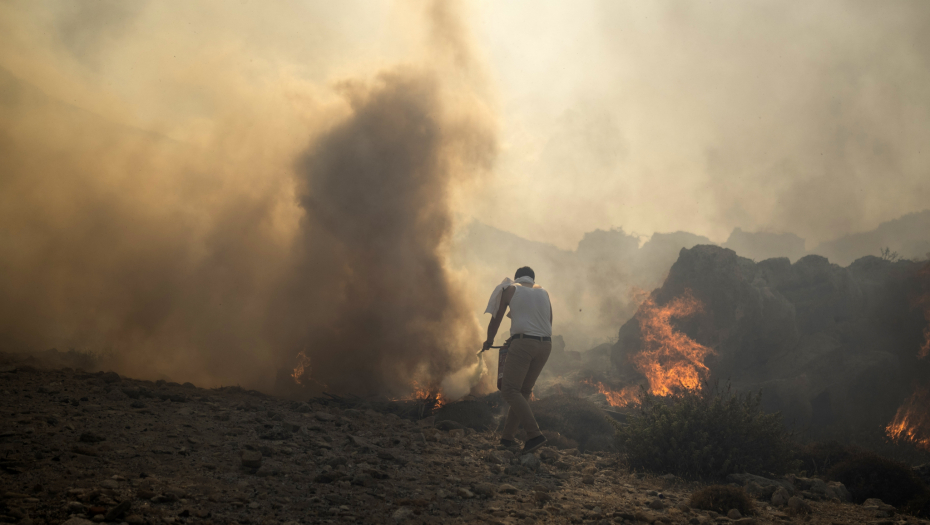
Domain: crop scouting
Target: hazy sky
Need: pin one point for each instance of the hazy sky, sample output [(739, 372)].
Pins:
[(704, 116), (653, 116)]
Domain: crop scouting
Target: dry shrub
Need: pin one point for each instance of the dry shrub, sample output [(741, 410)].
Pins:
[(868, 475), (576, 419), (722, 498)]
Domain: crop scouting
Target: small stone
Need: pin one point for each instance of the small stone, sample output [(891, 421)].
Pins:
[(657, 504), (109, 484), (549, 454), (799, 505), (780, 497), (90, 437), (464, 493), (530, 461), (402, 513), (251, 459), (500, 457), (734, 514), (484, 489), (78, 521), (118, 511), (324, 416), (135, 519), (507, 488), (587, 479)]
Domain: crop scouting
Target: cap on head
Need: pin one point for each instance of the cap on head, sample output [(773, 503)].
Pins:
[(526, 270)]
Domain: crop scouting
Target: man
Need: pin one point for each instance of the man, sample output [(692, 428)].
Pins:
[(530, 346)]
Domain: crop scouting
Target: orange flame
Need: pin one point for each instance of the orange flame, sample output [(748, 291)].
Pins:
[(302, 369), (624, 397), (430, 393), (912, 421), (670, 360)]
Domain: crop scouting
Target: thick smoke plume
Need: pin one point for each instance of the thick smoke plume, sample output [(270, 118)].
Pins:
[(376, 190), (268, 214)]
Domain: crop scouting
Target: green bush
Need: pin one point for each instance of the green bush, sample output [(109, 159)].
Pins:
[(722, 498), (705, 435), (868, 475)]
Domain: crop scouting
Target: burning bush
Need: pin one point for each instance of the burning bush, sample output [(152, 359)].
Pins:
[(705, 434), (574, 418), (868, 475), (722, 498)]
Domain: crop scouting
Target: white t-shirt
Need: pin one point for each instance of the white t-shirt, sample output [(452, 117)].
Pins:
[(530, 312)]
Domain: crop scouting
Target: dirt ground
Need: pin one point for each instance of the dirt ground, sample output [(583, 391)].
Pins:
[(78, 446)]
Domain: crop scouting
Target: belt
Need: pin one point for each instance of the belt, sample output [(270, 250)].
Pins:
[(536, 337)]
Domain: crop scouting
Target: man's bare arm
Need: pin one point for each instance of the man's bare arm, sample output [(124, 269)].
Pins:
[(495, 323)]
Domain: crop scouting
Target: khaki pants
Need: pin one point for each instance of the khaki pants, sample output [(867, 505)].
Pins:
[(525, 360)]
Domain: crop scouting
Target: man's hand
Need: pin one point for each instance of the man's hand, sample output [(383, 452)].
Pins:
[(486, 346)]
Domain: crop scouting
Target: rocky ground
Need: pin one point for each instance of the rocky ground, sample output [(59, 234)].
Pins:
[(77, 446)]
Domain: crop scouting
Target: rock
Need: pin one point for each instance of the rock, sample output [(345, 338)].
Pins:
[(251, 459), (78, 521), (549, 454), (464, 493), (745, 521), (402, 513), (780, 497), (799, 505), (839, 491), (110, 377), (530, 461), (587, 479), (457, 433), (484, 489), (507, 489), (448, 425), (500, 457), (734, 514), (118, 511), (84, 451), (747, 479), (90, 437), (135, 519), (362, 444), (426, 422), (266, 470), (324, 416), (657, 504)]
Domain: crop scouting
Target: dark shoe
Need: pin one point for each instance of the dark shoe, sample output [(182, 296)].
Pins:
[(533, 444), (509, 443)]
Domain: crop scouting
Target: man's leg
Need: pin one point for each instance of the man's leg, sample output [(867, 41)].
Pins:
[(516, 368), (540, 356)]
